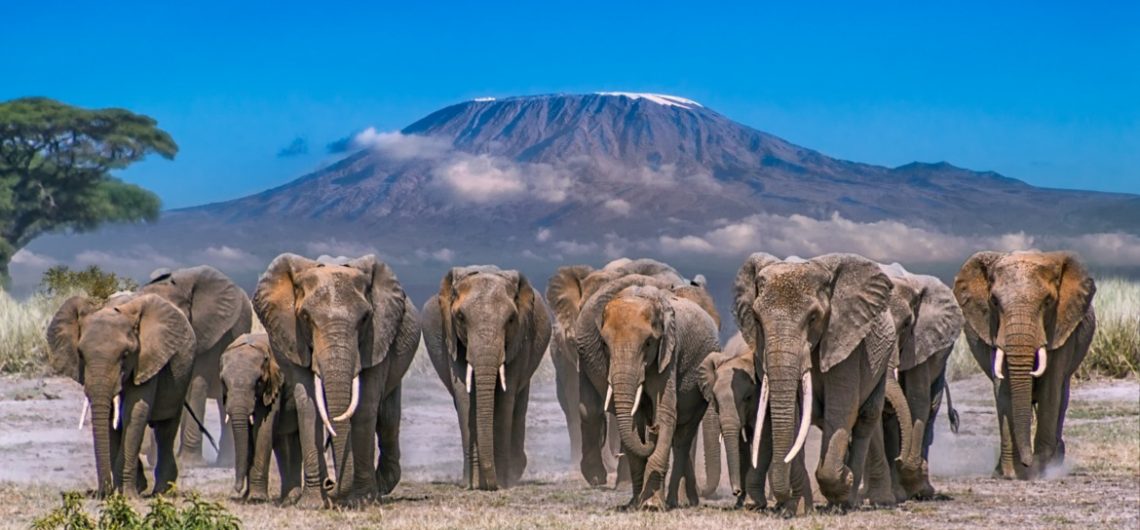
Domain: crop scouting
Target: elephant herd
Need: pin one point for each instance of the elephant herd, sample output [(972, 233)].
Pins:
[(856, 348)]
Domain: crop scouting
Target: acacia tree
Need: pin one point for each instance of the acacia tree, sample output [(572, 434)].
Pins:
[(55, 164)]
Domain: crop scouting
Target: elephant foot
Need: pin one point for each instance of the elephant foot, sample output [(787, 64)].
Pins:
[(931, 495), (882, 501), (836, 508), (291, 497), (257, 497), (311, 498), (655, 504), (787, 509), (752, 505), (387, 478)]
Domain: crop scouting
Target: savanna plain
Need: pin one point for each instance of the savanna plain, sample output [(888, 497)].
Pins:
[(42, 453)]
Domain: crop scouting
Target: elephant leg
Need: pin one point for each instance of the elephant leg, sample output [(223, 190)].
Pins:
[(225, 439), (801, 484), (878, 473), (756, 478), (388, 432), (465, 415), (504, 435), (566, 387), (914, 471), (593, 421), (166, 464), (1059, 453), (1048, 393), (136, 411), (683, 466), (1005, 464), (892, 448), (289, 467), (518, 435), (191, 449), (869, 420), (311, 438), (363, 441), (263, 442)]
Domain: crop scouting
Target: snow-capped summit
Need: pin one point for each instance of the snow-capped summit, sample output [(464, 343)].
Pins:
[(660, 99)]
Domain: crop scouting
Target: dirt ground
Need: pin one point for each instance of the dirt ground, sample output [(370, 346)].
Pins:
[(42, 453)]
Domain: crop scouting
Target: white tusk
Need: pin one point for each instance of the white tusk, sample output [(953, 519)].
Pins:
[(352, 402), (636, 402), (503, 376), (999, 360), (896, 374), (470, 378), (609, 397), (251, 419), (744, 434), (319, 396), (761, 413), (227, 418), (805, 420), (115, 419), (83, 412), (1042, 361)]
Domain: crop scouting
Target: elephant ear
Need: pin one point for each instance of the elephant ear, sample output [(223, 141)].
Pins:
[(939, 320), (275, 302), (744, 296), (667, 344), (1074, 296), (706, 373), (447, 295), (217, 304), (525, 330), (63, 337), (388, 308), (860, 292), (165, 335), (565, 294), (271, 377), (972, 290)]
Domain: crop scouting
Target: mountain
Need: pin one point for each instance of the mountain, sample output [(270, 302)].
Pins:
[(533, 182)]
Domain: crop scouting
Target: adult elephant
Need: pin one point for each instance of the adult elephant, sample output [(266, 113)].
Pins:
[(1029, 324), (640, 341), (219, 311), (566, 292), (823, 339), (927, 322), (486, 332), (347, 334), (134, 356)]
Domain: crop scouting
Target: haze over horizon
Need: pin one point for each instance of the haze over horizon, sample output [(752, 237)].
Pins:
[(255, 94)]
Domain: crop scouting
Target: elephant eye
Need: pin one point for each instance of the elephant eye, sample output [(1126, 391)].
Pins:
[(459, 316)]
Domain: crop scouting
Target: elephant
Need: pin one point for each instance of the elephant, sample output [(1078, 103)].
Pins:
[(823, 338), (1029, 323), (134, 356), (220, 312), (260, 407), (642, 342), (728, 382), (566, 292), (346, 334), (486, 333), (927, 322)]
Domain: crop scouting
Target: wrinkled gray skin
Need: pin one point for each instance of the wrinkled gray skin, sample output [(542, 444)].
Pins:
[(486, 318), (566, 292), (1019, 302), (728, 381), (219, 312), (139, 348), (927, 322), (261, 410), (329, 323), (636, 335), (826, 317)]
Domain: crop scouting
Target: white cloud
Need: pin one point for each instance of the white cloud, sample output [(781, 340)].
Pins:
[(574, 247), (884, 241), (543, 235), (227, 257), (136, 262), (618, 206), (401, 146), (27, 258), (335, 247), (486, 179), (445, 255)]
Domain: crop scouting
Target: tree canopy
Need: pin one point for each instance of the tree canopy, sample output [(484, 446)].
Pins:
[(55, 169)]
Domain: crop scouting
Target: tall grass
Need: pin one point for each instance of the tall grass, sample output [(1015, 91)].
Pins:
[(23, 345), (1115, 349)]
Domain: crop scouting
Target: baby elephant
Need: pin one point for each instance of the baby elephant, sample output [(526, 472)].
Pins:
[(263, 418)]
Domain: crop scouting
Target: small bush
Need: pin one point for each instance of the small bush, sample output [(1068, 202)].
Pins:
[(23, 344), (92, 280), (116, 513)]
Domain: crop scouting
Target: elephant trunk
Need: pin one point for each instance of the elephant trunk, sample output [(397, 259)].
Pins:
[(486, 380), (101, 432), (627, 391), (784, 382), (239, 426), (1021, 335), (897, 398), (730, 430), (710, 427), (337, 387)]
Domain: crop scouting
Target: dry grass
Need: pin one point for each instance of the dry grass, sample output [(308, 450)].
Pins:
[(23, 344)]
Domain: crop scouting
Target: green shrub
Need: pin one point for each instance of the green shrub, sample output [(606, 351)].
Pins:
[(116, 513), (92, 280)]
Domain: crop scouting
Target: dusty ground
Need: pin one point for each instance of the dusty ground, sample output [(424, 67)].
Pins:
[(42, 453)]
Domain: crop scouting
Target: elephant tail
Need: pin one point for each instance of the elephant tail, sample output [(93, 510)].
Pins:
[(951, 412)]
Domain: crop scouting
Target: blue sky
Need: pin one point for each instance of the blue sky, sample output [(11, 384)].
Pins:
[(1040, 92)]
